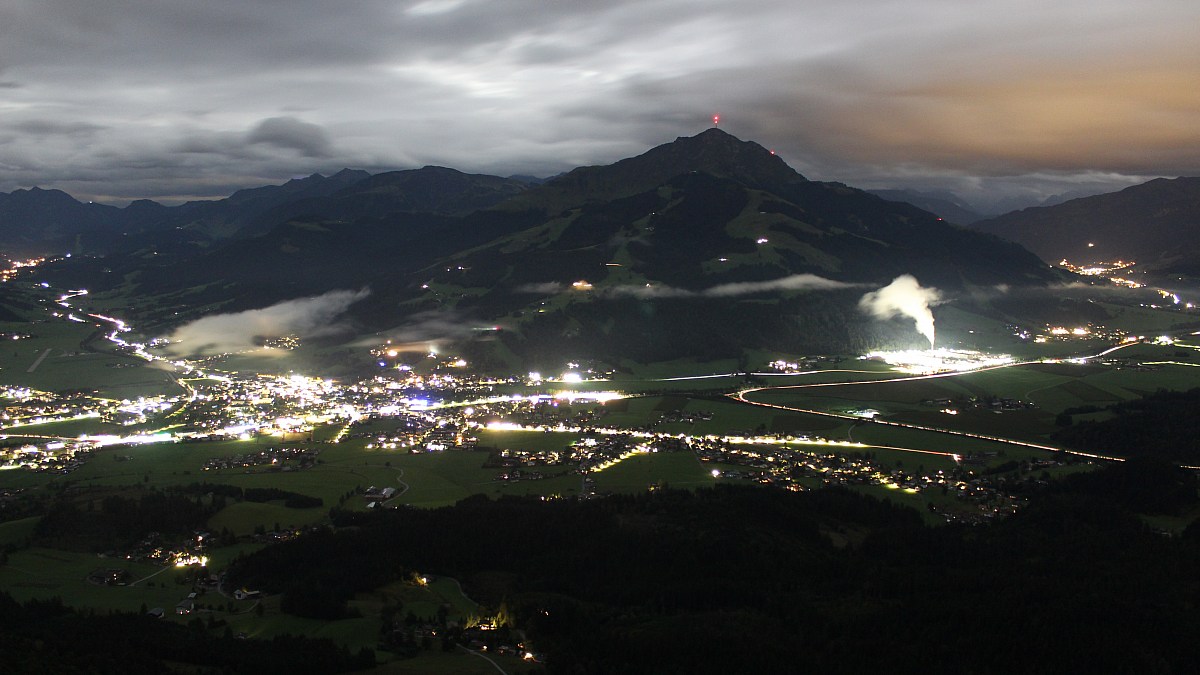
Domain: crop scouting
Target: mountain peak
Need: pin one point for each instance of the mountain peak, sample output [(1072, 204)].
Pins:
[(349, 175), (715, 135), (36, 194), (713, 152), (724, 155)]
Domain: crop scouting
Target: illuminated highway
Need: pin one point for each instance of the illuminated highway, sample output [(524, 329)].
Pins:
[(743, 394)]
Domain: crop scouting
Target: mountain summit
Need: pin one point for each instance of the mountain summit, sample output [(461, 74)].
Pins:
[(712, 152)]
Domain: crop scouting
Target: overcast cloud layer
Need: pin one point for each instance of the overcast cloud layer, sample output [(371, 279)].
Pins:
[(173, 99)]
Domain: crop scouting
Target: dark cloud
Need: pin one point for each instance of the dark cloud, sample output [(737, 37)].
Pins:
[(1013, 97), (290, 133), (53, 128)]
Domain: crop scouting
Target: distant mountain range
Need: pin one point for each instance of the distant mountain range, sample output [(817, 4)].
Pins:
[(947, 205), (700, 247), (41, 221), (1156, 224)]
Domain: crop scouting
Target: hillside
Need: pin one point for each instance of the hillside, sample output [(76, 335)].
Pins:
[(944, 204), (742, 253), (1155, 224), (702, 247), (37, 221)]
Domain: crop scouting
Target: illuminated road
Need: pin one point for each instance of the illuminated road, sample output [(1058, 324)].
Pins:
[(733, 440), (742, 397)]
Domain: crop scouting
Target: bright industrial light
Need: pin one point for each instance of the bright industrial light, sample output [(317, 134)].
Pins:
[(929, 361)]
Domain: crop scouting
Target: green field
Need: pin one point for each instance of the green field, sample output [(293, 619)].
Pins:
[(16, 532), (42, 573), (1051, 388), (1145, 320), (727, 417), (637, 473), (68, 365)]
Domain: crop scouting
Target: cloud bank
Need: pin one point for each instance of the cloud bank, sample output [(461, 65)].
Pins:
[(427, 330), (795, 282), (1030, 97), (239, 331)]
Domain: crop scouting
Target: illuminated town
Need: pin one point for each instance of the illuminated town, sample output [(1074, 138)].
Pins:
[(438, 404), (1118, 272)]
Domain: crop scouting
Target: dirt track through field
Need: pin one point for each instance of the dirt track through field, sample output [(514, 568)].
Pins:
[(39, 360)]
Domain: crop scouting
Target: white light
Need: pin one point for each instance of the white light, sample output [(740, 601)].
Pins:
[(929, 361), (597, 396)]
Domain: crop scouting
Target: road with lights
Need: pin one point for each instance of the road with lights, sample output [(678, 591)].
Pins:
[(744, 394)]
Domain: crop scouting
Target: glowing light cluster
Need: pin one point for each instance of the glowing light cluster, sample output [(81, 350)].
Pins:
[(941, 360)]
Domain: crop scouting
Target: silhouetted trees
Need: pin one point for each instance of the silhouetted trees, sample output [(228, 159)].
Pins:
[(739, 579), (1163, 424)]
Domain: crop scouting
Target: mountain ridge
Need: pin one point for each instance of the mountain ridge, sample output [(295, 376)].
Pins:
[(617, 260), (1156, 223)]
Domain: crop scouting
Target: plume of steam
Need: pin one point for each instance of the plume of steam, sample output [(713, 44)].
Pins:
[(903, 297), (223, 333)]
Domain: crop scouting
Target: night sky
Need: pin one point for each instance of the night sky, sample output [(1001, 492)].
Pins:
[(176, 99)]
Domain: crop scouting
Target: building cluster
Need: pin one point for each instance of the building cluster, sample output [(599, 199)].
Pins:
[(278, 459), (156, 549), (53, 456), (273, 404), (25, 406), (423, 433), (16, 267), (801, 364), (1066, 333), (1121, 273), (994, 403)]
